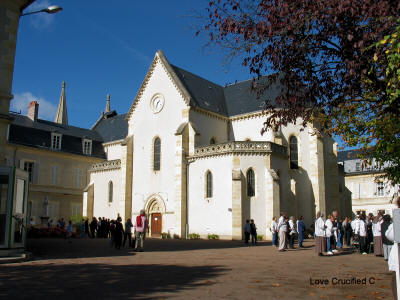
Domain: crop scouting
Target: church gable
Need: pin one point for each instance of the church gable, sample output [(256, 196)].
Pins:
[(153, 75)]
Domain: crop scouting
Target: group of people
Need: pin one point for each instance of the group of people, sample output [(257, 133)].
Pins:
[(250, 229), (362, 232), (120, 233), (285, 231)]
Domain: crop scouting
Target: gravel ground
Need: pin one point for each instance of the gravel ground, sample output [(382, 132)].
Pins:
[(190, 269)]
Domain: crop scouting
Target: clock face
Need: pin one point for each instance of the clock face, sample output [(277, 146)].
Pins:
[(157, 104)]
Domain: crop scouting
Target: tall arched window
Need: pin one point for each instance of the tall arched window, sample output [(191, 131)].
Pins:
[(250, 183), (110, 191), (157, 154), (294, 157), (209, 186)]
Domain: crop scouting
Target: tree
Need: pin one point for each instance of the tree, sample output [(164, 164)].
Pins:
[(330, 58)]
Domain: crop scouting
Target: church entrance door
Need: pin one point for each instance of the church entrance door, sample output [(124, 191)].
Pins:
[(156, 224)]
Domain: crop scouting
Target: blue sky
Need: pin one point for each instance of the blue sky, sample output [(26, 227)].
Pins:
[(100, 47)]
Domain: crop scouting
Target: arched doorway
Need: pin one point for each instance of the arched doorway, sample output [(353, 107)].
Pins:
[(155, 213)]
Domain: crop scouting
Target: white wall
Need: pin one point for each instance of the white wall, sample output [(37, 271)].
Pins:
[(211, 215), (102, 208), (145, 126), (113, 151), (209, 127), (250, 128)]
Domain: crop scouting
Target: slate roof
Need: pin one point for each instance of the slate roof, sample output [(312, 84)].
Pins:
[(348, 155), (231, 100), (37, 134), (111, 127)]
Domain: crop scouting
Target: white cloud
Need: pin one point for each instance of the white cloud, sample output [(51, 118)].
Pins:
[(40, 21), (20, 102)]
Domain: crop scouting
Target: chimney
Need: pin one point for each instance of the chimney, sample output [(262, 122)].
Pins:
[(33, 110)]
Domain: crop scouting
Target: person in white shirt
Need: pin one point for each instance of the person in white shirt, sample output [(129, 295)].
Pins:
[(292, 232), (282, 229), (274, 231), (361, 231), (376, 231), (329, 234), (320, 240)]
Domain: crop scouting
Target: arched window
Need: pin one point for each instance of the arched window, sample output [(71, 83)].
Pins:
[(157, 154), (110, 191), (209, 186), (294, 157), (250, 183), (212, 141)]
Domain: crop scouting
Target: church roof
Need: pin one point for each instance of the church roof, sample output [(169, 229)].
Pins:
[(228, 101), (25, 131), (231, 100), (111, 127)]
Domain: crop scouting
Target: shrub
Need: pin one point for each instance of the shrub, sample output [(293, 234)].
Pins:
[(194, 236), (176, 237), (213, 237), (260, 237), (164, 235)]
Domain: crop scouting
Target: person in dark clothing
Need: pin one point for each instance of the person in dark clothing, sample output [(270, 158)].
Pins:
[(347, 231), (118, 233), (247, 232), (387, 245), (93, 227), (87, 228), (128, 233), (253, 232)]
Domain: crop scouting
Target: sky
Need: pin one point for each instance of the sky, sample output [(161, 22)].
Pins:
[(106, 47)]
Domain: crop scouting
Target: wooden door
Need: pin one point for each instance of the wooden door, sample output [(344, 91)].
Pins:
[(156, 224)]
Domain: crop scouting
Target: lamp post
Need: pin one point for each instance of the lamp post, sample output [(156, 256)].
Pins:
[(53, 9)]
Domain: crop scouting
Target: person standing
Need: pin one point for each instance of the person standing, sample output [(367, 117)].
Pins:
[(118, 233), (329, 234), (253, 232), (376, 231), (320, 239), (292, 232), (361, 231), (93, 227), (141, 226), (347, 231), (300, 230), (274, 231), (69, 231), (387, 244), (282, 229), (128, 233), (246, 230)]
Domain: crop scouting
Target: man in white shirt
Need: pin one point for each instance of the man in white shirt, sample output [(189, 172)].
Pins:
[(274, 231), (282, 229), (292, 233)]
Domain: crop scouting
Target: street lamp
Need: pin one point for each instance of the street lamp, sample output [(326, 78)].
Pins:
[(50, 10)]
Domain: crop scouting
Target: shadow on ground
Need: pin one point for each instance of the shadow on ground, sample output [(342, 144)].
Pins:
[(83, 248), (101, 281)]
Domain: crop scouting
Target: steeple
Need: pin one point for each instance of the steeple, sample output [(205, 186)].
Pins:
[(108, 104), (61, 115)]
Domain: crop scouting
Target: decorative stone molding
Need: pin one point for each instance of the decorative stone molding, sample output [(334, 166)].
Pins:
[(106, 166), (249, 147)]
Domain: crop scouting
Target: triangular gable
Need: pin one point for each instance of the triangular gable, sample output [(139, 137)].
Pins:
[(160, 57)]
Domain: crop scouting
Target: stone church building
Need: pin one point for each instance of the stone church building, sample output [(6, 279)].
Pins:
[(193, 158)]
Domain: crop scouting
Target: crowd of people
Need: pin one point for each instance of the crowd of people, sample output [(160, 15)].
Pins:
[(118, 233), (286, 231)]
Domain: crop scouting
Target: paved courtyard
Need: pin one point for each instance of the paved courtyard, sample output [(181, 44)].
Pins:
[(184, 269)]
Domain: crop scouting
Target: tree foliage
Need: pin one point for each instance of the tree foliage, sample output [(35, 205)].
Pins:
[(335, 61)]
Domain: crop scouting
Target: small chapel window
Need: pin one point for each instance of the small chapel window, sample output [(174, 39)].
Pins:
[(294, 160), (209, 190), (212, 141), (157, 154), (250, 183), (110, 192)]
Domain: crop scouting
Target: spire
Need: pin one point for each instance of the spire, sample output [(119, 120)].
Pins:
[(108, 103), (61, 115)]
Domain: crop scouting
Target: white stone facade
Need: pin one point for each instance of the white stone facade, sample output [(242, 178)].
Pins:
[(176, 194)]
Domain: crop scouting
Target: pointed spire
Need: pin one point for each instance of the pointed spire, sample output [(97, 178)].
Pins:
[(108, 103), (61, 115)]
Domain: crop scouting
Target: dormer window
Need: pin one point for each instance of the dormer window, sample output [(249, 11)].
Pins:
[(56, 141), (87, 146)]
